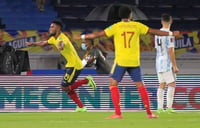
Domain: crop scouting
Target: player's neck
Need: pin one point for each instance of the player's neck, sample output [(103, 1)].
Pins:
[(166, 26), (57, 34), (125, 20)]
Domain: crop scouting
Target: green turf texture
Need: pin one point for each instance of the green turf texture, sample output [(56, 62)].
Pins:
[(96, 120)]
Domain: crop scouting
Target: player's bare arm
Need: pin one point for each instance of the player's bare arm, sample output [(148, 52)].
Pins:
[(173, 60), (40, 43), (163, 33), (90, 36)]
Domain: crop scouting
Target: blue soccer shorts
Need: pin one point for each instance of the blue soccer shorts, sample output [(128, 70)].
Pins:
[(118, 72), (71, 74)]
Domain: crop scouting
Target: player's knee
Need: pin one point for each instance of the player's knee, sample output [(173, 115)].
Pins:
[(173, 84), (113, 86), (64, 88), (113, 82), (162, 85), (139, 84), (64, 84)]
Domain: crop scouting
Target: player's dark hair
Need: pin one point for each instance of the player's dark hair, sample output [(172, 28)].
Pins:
[(58, 22), (166, 17), (124, 12)]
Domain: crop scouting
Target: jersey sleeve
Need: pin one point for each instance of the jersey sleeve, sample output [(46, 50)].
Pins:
[(170, 41), (110, 31), (156, 41), (143, 28), (50, 40)]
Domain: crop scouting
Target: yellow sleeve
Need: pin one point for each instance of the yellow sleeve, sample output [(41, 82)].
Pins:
[(110, 31), (50, 40), (143, 28)]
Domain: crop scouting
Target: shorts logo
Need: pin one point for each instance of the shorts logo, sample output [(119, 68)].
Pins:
[(66, 77)]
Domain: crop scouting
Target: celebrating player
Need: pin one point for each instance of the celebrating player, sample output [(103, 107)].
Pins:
[(126, 35), (73, 66), (165, 65)]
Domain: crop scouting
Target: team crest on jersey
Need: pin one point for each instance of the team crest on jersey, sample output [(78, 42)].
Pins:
[(110, 27), (59, 38), (172, 40)]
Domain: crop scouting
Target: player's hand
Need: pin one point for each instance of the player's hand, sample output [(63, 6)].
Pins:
[(175, 69), (77, 37), (176, 33)]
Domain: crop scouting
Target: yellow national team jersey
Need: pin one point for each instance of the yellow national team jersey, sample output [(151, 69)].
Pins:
[(127, 42), (70, 54)]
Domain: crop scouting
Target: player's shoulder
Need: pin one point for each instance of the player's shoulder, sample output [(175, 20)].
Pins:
[(113, 25), (51, 39), (166, 30), (136, 23), (63, 35)]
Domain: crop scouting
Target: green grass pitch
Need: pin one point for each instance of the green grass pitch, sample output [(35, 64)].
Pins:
[(96, 120)]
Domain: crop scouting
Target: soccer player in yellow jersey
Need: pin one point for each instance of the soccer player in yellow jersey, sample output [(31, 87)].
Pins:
[(126, 36), (73, 66)]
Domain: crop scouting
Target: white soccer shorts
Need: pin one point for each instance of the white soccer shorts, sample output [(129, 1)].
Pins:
[(166, 77)]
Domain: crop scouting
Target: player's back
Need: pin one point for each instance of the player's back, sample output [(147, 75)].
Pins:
[(162, 44), (127, 41)]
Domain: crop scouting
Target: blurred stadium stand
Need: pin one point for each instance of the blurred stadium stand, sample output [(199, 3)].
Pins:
[(184, 12), (24, 15)]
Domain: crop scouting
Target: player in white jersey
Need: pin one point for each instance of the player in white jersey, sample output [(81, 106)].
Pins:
[(166, 65)]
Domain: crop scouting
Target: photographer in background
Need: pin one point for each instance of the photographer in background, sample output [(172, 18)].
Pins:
[(94, 56), (13, 61)]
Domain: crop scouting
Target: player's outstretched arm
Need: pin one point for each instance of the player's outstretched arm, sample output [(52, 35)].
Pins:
[(40, 43), (90, 35), (163, 33)]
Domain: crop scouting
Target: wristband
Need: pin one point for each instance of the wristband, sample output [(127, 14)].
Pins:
[(84, 62), (83, 37), (170, 33)]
